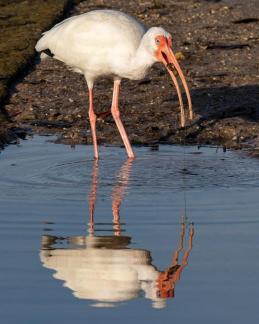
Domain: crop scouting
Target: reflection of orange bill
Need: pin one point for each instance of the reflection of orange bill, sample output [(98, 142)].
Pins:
[(167, 280)]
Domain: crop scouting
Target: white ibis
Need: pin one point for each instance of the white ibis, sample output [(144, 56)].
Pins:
[(109, 43)]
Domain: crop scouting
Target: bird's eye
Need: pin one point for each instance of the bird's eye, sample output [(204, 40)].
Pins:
[(157, 41)]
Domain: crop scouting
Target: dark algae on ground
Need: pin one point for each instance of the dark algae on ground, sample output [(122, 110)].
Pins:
[(219, 46), (21, 23)]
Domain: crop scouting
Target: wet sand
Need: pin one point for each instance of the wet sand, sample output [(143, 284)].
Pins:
[(219, 43)]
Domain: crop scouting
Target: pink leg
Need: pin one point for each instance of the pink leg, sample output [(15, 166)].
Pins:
[(116, 116), (92, 118)]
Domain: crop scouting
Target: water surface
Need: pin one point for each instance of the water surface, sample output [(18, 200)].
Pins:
[(172, 236)]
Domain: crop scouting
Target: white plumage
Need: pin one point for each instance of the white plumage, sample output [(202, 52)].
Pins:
[(103, 274), (101, 42), (110, 43)]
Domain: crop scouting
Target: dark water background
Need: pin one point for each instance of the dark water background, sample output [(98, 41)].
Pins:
[(45, 190)]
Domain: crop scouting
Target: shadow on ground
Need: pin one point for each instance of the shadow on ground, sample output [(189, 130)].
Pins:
[(227, 102)]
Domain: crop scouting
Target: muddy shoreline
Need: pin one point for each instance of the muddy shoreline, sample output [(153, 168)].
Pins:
[(219, 43), (21, 23)]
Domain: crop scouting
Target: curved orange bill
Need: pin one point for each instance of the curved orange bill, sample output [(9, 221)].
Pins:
[(167, 57)]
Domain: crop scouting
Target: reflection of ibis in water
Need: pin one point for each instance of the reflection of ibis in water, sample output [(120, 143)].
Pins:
[(104, 268)]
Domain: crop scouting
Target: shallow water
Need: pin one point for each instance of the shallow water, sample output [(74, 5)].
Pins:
[(172, 236)]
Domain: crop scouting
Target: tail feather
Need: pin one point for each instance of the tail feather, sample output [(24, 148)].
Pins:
[(47, 52)]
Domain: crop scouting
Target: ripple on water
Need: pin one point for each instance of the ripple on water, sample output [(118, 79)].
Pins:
[(132, 237), (59, 170)]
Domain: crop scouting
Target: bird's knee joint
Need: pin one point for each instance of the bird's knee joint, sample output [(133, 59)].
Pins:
[(92, 117), (116, 114)]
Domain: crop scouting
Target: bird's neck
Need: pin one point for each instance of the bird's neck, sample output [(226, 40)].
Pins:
[(140, 63)]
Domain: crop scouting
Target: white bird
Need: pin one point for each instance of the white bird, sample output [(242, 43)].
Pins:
[(111, 43)]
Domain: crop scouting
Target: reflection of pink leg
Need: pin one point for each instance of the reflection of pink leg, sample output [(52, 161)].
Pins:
[(119, 192), (92, 118), (116, 218), (116, 116), (92, 197)]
